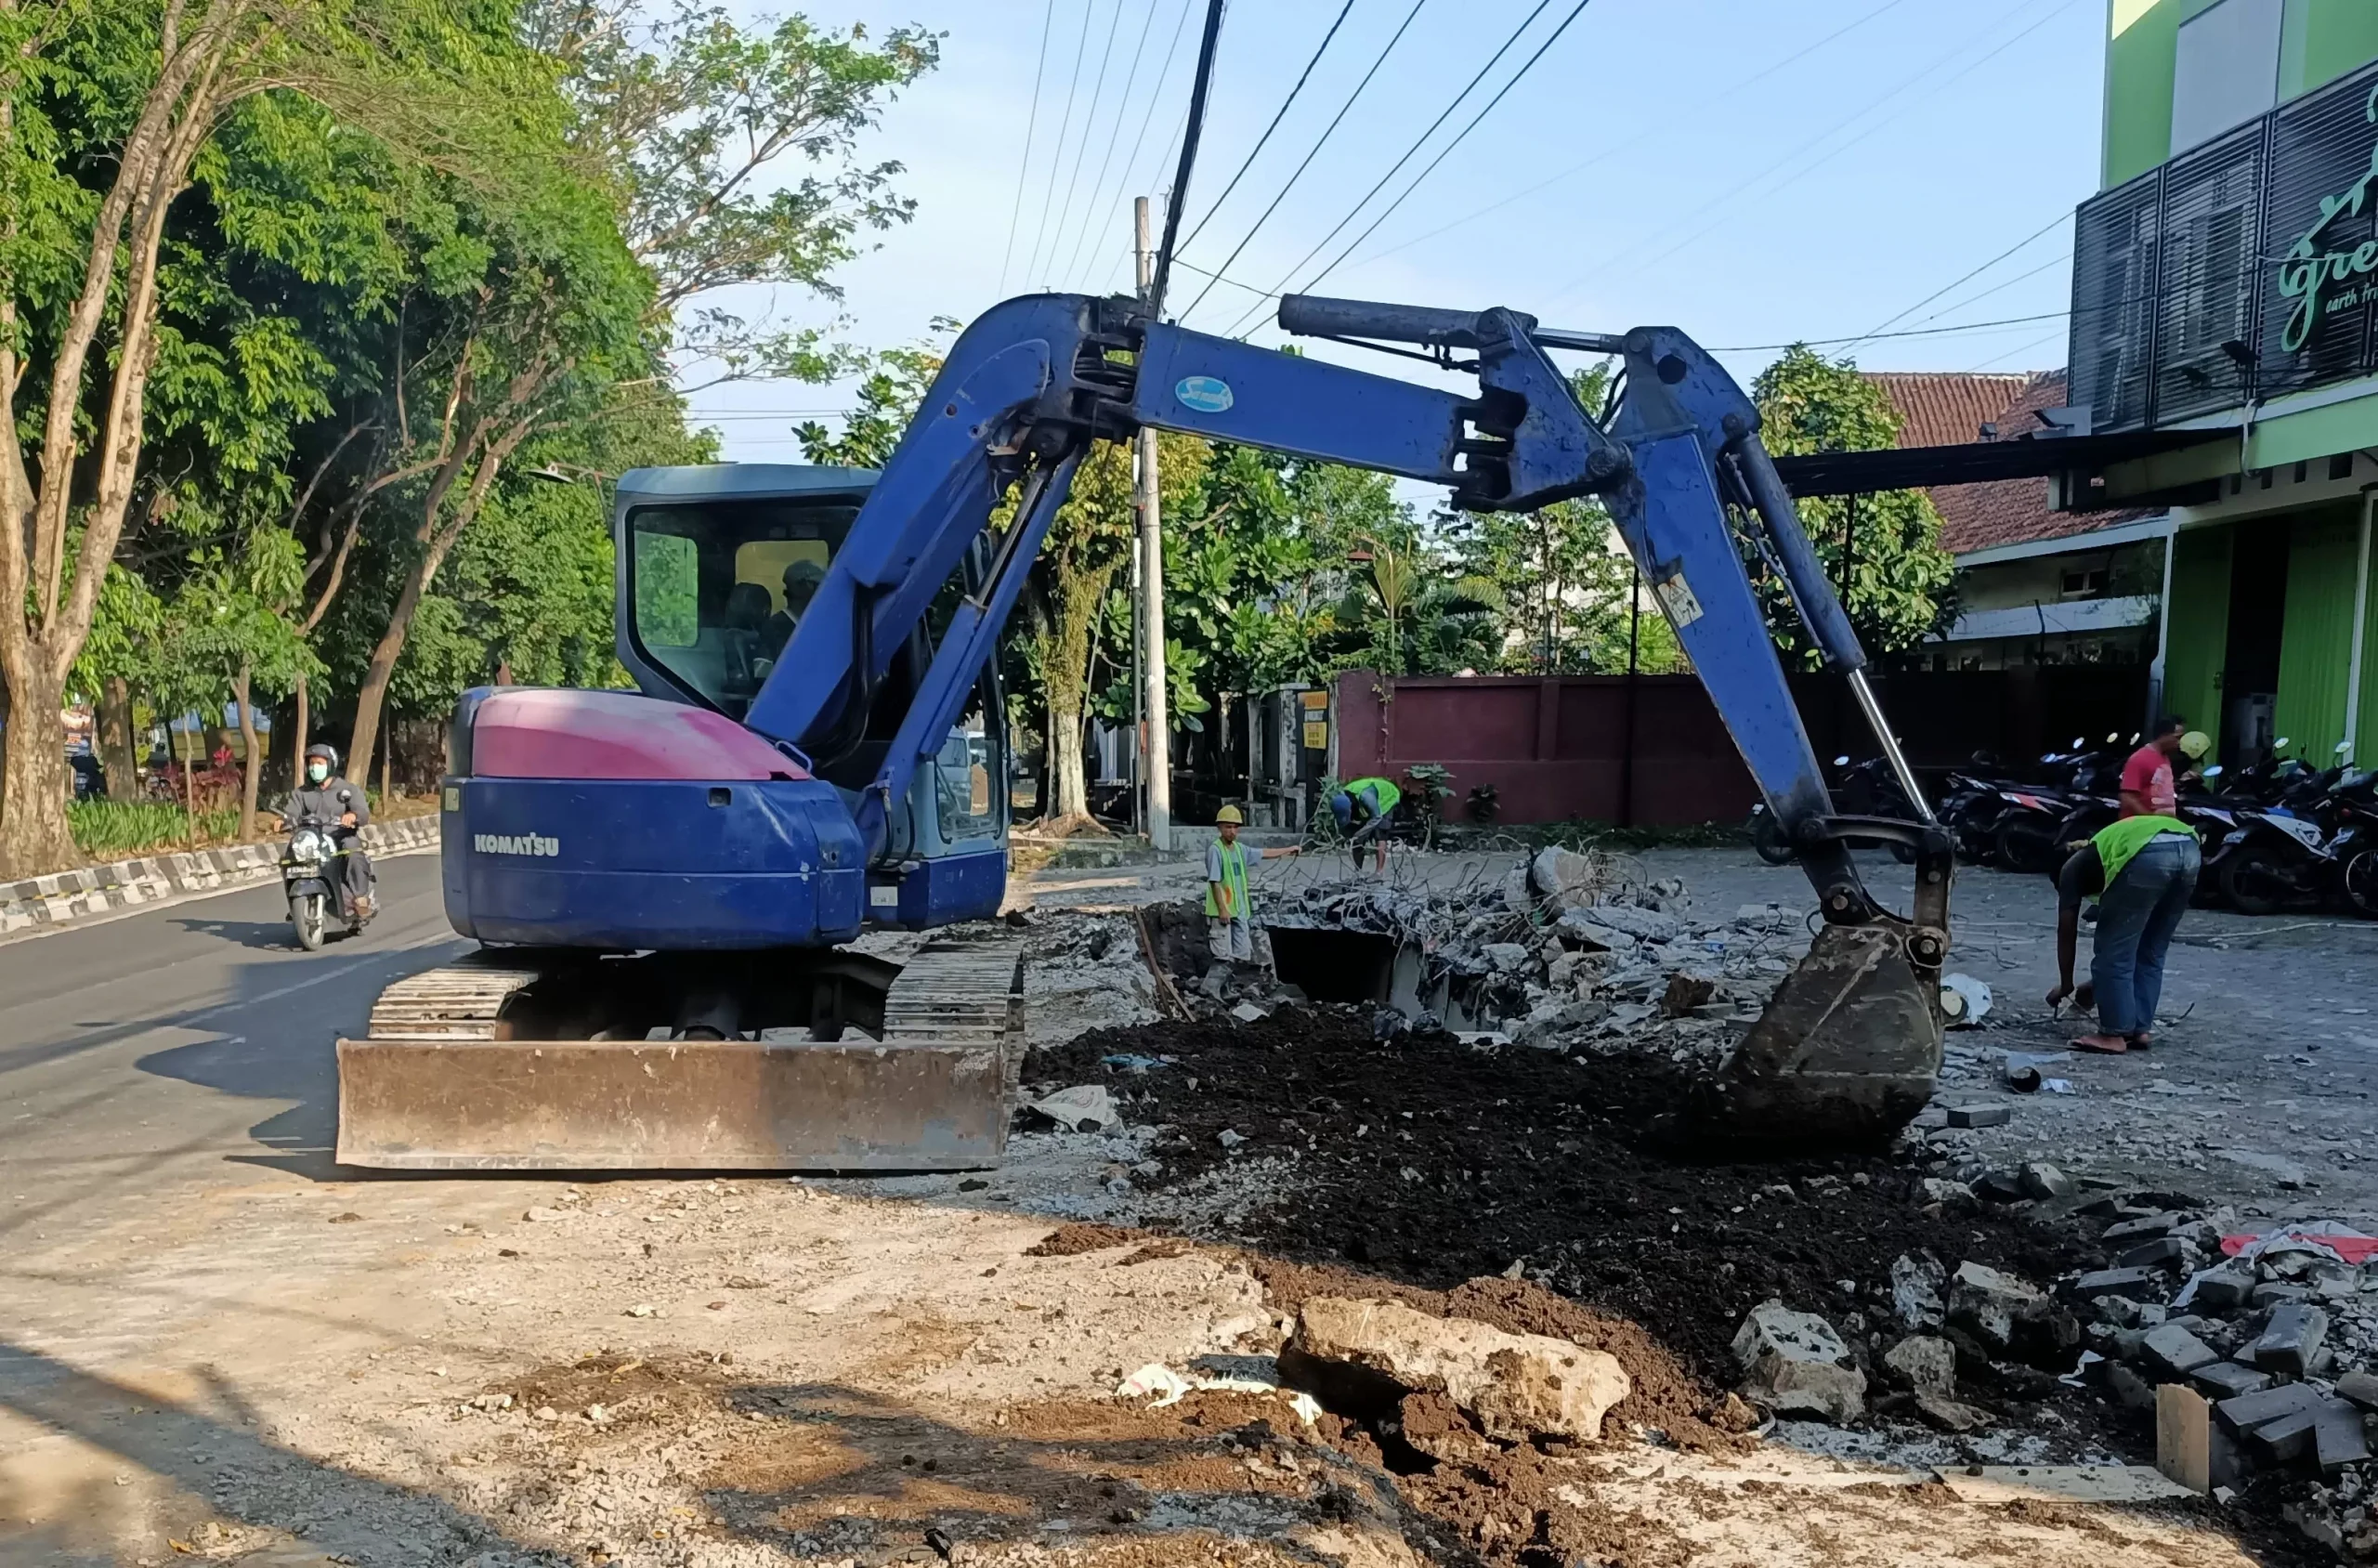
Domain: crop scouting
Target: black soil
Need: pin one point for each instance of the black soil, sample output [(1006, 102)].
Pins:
[(1432, 1163)]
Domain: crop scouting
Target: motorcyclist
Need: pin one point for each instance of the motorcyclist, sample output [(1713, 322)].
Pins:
[(344, 809)]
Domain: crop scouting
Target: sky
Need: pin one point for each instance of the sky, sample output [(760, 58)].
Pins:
[(1755, 172)]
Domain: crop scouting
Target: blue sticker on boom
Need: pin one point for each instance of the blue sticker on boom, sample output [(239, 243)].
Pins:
[(1205, 393)]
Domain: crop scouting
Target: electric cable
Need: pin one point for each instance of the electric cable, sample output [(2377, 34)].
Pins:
[(1395, 168), (1385, 213), (1191, 133), (1915, 79), (1285, 104), (1147, 118), (1106, 158), (1049, 192), (1314, 151), (1643, 135), (1954, 284), (1015, 209), (1090, 118)]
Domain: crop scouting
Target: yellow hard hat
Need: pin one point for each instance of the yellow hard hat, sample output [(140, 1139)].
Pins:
[(1228, 814), (2195, 743)]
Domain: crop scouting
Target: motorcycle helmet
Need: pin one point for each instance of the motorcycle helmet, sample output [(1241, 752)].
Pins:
[(328, 754)]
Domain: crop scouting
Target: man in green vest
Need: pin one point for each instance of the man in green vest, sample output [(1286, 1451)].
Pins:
[(1230, 911), (2143, 870), (1364, 809)]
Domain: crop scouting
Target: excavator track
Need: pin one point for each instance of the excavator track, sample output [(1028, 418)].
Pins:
[(447, 1079)]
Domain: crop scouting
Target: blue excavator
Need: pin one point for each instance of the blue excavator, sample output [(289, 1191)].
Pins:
[(667, 882)]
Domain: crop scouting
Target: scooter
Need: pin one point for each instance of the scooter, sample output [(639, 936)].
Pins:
[(313, 878), (2282, 853)]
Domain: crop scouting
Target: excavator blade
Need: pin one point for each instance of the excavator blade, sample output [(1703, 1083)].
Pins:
[(1846, 1054), (439, 1084)]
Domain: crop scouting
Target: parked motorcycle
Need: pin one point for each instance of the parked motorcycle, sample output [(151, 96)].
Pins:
[(313, 878), (2283, 854)]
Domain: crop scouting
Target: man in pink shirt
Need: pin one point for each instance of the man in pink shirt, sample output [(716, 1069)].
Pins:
[(2148, 788)]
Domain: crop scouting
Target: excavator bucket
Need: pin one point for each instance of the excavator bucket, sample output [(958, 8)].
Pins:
[(1846, 1054), (465, 1069)]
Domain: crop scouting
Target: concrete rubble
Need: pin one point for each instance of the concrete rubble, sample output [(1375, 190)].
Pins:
[(1795, 1364), (1518, 1387)]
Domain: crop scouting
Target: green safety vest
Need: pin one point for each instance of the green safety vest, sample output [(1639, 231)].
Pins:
[(2118, 842), (1233, 876), (1383, 790)]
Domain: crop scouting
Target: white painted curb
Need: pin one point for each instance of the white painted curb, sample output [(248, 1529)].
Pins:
[(63, 898)]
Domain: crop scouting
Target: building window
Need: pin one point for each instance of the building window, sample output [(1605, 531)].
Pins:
[(2226, 72), (2088, 583)]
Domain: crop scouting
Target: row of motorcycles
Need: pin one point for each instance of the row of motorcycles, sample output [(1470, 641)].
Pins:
[(2278, 833)]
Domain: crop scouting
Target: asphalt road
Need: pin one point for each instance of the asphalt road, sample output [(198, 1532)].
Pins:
[(141, 1055)]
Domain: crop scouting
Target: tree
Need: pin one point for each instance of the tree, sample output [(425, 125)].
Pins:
[(606, 265), (1899, 575), (106, 108), (896, 382)]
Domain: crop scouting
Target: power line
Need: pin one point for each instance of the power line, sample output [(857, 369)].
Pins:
[(1643, 135), (1147, 117), (2056, 260), (1106, 158), (1908, 86), (1015, 210), (1248, 163), (1912, 332), (1190, 135), (1314, 282), (1443, 115), (1977, 272), (1090, 118), (1327, 132), (2011, 353), (1049, 192)]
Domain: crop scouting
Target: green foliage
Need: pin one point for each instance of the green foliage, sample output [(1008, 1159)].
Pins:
[(1899, 574), (894, 383), (118, 830)]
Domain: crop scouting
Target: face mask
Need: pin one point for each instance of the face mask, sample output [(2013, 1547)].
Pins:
[(318, 771)]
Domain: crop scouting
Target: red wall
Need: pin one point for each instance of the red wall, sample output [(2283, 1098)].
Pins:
[(1557, 749)]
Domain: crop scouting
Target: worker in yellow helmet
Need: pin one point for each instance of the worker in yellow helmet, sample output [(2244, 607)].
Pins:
[(1230, 911)]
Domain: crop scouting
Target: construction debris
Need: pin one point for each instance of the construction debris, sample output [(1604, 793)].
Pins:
[(1518, 1387)]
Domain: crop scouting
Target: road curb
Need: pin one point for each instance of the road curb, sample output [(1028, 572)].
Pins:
[(64, 898)]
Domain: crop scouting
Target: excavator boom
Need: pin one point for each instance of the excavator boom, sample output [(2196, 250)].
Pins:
[(842, 737)]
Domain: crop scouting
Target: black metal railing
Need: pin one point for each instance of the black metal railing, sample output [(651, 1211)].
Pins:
[(2235, 272)]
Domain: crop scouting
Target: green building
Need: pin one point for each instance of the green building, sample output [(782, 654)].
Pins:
[(2225, 300)]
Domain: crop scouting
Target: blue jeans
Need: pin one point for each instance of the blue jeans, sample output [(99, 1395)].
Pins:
[(2135, 918)]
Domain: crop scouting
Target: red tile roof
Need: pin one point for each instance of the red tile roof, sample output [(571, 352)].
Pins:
[(1946, 409)]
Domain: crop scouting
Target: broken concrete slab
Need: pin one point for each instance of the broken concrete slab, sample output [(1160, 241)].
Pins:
[(2248, 1411), (2138, 1228), (2165, 1252), (1925, 1363), (1915, 1291), (2359, 1386), (1999, 1484), (1981, 1116), (2132, 1284), (2177, 1351), (2220, 1290), (2293, 1341), (2133, 1392), (2040, 1179), (2286, 1438), (2339, 1438), (2228, 1379), (1950, 1415), (1085, 1108), (1795, 1362), (1988, 1303), (1518, 1386), (2189, 1448)]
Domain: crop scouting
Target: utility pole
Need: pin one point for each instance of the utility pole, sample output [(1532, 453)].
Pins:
[(1156, 749)]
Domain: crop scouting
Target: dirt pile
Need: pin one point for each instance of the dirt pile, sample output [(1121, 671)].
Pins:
[(1435, 1162)]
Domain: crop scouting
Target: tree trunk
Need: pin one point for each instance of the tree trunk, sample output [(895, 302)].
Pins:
[(251, 758), (371, 696), (189, 782), (118, 753), (1071, 782), (297, 752), (34, 781)]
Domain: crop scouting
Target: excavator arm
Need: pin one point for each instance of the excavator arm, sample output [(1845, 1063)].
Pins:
[(1849, 1049)]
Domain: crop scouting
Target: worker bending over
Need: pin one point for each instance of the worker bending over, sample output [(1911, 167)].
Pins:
[(1364, 809), (2143, 871)]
